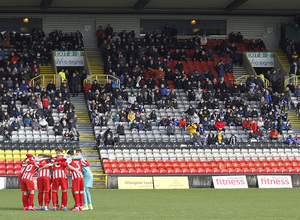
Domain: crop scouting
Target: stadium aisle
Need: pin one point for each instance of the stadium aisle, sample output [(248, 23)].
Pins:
[(87, 140), (294, 120)]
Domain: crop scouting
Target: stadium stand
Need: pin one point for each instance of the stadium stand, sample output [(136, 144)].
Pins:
[(34, 120), (170, 92)]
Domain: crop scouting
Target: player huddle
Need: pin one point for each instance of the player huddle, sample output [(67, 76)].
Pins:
[(54, 171)]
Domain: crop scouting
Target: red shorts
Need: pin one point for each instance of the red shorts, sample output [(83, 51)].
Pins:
[(21, 185), (63, 182), (44, 184), (78, 184), (27, 185)]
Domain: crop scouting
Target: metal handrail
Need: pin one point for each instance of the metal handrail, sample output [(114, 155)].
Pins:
[(243, 78), (41, 79), (98, 77), (88, 63), (295, 79)]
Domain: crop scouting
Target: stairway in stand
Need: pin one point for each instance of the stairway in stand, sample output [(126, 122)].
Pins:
[(94, 60), (46, 70), (87, 140), (239, 71), (282, 58), (295, 120)]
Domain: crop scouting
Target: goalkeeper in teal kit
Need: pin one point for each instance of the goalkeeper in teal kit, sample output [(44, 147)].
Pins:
[(88, 180)]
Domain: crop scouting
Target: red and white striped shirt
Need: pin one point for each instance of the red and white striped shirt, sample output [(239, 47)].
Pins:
[(59, 170), (29, 170), (45, 172), (84, 162), (76, 163), (24, 164)]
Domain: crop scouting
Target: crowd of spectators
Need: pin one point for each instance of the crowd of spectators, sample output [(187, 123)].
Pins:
[(292, 51), (137, 64), (24, 106)]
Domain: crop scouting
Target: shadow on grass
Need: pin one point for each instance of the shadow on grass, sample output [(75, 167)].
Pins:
[(11, 208)]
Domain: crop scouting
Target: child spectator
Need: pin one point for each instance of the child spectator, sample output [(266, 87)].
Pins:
[(290, 140)]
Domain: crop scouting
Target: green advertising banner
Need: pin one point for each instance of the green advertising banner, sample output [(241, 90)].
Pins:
[(69, 58)]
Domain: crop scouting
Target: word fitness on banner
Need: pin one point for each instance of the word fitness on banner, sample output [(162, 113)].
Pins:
[(274, 181), (230, 182)]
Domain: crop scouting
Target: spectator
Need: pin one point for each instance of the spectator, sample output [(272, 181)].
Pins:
[(247, 125), (190, 111), (254, 126), (27, 120), (74, 135), (192, 128), (219, 139), (233, 139), (297, 141), (148, 125), (43, 123), (273, 134), (211, 139), (170, 129), (290, 140), (131, 116), (141, 125), (297, 92), (116, 139), (100, 138), (75, 84), (134, 125), (182, 124), (35, 125), (163, 90), (288, 97), (220, 125), (288, 125), (58, 129), (15, 125), (197, 139)]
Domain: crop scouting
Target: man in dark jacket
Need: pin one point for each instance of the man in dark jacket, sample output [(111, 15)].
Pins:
[(75, 83), (120, 129), (58, 129)]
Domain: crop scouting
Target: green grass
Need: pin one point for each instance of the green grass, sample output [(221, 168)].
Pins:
[(168, 204)]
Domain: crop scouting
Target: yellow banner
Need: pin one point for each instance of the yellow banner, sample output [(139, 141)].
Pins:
[(135, 183), (171, 182)]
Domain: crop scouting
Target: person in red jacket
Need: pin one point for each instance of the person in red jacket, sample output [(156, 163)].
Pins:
[(254, 126), (273, 134), (220, 125), (247, 124), (182, 124)]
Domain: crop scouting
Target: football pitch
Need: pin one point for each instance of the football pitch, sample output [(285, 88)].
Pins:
[(168, 204)]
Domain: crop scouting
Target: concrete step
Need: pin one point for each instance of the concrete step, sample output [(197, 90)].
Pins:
[(87, 139)]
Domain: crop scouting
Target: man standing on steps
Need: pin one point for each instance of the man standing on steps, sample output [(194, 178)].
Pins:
[(75, 84)]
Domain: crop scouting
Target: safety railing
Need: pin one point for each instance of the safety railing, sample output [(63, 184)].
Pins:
[(295, 79), (243, 79), (43, 79), (101, 79), (54, 63), (102, 178), (87, 64)]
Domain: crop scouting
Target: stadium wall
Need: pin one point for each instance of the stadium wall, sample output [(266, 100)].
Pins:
[(12, 182), (250, 26), (206, 181)]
